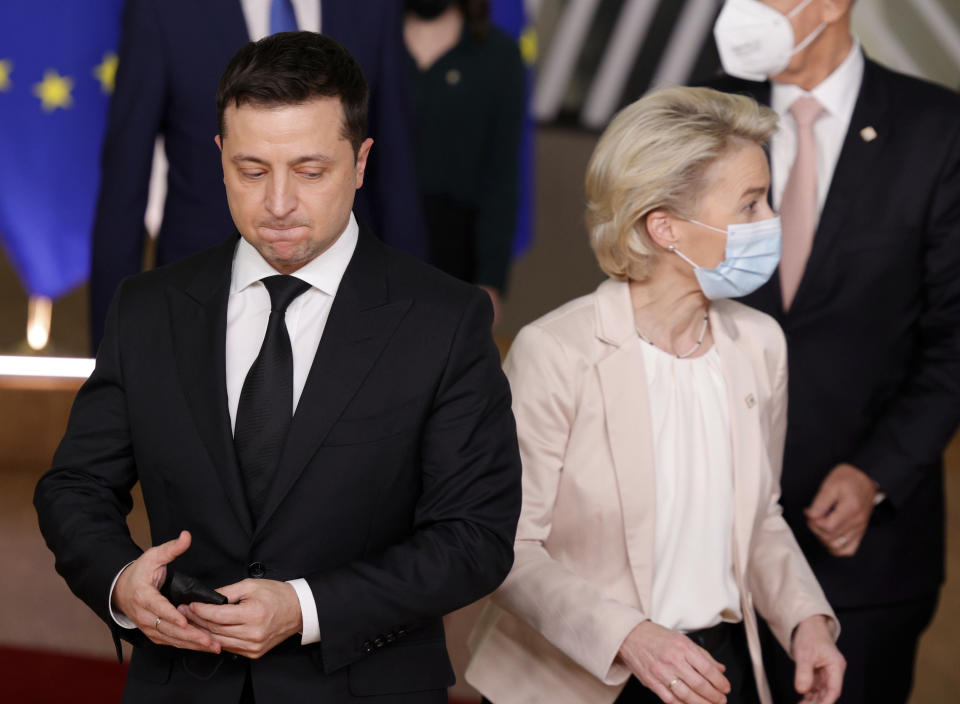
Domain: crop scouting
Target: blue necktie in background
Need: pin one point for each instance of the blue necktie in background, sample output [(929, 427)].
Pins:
[(282, 17), (57, 64)]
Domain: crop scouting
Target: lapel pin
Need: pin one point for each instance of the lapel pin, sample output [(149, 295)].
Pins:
[(750, 400), (453, 77), (868, 134)]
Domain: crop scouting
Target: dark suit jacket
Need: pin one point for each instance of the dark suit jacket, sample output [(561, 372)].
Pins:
[(874, 336), (397, 495), (172, 54)]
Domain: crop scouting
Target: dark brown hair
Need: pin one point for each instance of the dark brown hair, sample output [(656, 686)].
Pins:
[(291, 68)]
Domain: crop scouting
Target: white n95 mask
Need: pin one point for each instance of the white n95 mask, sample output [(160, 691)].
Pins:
[(755, 41), (750, 258)]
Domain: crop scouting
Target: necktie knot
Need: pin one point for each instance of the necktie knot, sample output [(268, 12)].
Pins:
[(806, 110), (283, 289)]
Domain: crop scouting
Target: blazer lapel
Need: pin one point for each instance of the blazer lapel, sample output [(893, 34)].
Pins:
[(745, 435), (361, 322), (199, 332), (856, 159), (627, 411)]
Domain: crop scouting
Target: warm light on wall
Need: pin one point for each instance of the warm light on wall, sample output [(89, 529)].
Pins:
[(63, 367), (39, 313)]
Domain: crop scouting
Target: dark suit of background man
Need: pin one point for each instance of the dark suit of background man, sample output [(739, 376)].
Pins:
[(390, 498), (873, 329), (172, 53)]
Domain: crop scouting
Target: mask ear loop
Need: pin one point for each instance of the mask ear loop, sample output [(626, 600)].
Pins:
[(810, 37), (673, 248)]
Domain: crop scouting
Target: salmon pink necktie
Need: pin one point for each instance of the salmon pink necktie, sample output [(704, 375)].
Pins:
[(798, 209)]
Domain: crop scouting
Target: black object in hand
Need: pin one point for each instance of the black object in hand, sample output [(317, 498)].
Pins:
[(183, 589)]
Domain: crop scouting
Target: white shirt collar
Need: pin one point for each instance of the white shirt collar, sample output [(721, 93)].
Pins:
[(324, 272), (837, 93)]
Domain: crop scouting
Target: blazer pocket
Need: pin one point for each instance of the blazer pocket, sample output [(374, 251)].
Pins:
[(402, 667), (867, 238), (358, 427), (150, 666)]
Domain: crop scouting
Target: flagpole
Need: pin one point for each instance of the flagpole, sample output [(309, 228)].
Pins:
[(39, 316)]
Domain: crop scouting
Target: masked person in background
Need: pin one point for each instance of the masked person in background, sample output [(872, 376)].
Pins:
[(467, 80), (866, 175), (651, 417)]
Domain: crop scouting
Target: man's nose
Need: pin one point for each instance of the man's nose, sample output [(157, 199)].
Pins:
[(281, 199)]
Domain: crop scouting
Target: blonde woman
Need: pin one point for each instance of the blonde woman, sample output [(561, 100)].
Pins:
[(651, 418)]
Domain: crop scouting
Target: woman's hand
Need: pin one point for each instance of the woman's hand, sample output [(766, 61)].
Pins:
[(674, 667), (820, 665)]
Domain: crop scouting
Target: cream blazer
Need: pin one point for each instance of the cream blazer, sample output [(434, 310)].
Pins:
[(581, 579)]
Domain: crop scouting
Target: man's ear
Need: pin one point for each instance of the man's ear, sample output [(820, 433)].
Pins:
[(659, 224), (362, 155), (218, 141)]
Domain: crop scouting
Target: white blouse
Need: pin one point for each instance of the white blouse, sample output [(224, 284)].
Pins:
[(693, 580)]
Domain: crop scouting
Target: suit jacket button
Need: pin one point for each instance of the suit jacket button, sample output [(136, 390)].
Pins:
[(366, 647), (256, 570)]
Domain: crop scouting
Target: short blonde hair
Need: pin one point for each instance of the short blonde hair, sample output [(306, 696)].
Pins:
[(654, 155)]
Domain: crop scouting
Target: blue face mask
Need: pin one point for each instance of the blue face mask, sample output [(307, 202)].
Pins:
[(751, 256)]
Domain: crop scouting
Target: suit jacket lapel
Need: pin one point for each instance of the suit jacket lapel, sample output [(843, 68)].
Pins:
[(627, 412), (843, 198), (361, 322), (199, 330), (748, 456)]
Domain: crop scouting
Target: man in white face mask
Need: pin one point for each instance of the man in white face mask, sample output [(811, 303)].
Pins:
[(866, 176)]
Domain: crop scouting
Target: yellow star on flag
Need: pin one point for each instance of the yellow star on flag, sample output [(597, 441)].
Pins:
[(106, 72), (54, 91), (528, 45), (6, 68)]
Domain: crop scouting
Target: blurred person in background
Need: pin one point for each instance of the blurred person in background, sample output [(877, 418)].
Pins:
[(866, 175), (467, 80), (651, 416), (172, 53)]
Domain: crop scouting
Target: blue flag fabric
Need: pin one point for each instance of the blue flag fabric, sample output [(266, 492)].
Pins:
[(57, 62), (511, 17)]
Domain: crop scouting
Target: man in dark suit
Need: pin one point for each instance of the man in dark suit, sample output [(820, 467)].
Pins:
[(870, 304), (342, 534), (171, 56)]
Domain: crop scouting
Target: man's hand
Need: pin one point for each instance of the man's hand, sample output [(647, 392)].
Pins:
[(137, 595), (841, 509), (261, 614), (820, 665), (674, 667)]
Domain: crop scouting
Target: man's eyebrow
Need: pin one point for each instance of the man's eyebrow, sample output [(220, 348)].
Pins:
[(322, 158), (755, 191)]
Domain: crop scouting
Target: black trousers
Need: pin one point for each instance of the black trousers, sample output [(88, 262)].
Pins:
[(727, 643), (880, 645)]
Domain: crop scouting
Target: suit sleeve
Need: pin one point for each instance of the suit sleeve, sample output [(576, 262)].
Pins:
[(916, 426), (779, 579), (566, 609), (82, 502), (135, 118), (497, 212), (461, 544)]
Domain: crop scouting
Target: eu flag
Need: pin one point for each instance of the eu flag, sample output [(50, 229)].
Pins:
[(511, 17), (57, 62)]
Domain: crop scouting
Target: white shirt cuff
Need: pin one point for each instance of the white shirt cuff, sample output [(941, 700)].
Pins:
[(308, 611), (118, 617)]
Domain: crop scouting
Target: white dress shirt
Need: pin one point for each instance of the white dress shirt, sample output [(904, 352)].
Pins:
[(256, 13), (248, 310), (694, 585), (837, 93)]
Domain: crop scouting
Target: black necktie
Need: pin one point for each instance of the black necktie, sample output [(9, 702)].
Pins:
[(266, 400)]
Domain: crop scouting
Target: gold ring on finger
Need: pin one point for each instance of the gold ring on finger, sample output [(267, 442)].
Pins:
[(156, 624), (673, 682)]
